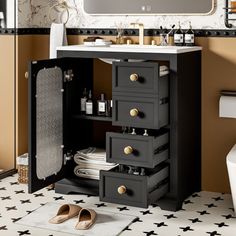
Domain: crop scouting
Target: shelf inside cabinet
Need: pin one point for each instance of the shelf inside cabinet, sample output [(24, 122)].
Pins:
[(96, 118)]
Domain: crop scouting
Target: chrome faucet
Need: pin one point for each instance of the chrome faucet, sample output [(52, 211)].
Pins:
[(141, 31)]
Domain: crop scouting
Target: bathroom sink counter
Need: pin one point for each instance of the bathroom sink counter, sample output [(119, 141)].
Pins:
[(115, 48), (171, 103)]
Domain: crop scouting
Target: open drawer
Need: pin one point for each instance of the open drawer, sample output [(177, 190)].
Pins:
[(137, 150), (134, 190)]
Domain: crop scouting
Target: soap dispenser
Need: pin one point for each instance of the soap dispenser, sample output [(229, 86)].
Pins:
[(189, 36), (179, 36), (102, 106)]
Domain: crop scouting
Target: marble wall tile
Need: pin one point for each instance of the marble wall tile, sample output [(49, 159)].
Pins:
[(34, 13)]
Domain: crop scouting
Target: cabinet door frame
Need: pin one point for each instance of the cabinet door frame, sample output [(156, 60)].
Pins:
[(34, 67)]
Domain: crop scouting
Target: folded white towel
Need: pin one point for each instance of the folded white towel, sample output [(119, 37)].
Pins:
[(91, 155), (90, 161), (57, 38), (86, 173), (164, 70), (96, 166)]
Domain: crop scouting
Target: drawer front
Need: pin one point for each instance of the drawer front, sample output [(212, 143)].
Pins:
[(135, 77), (139, 112), (133, 190), (135, 193), (136, 150)]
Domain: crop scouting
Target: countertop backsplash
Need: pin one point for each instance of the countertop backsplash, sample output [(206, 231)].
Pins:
[(34, 13)]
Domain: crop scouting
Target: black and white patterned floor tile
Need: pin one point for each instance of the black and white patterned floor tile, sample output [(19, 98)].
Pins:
[(204, 213)]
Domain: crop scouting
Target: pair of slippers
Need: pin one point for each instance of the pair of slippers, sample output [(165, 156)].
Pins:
[(86, 217)]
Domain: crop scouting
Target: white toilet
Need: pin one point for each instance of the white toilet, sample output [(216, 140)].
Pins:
[(231, 165)]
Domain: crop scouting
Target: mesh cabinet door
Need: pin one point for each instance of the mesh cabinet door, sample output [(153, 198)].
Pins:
[(46, 96), (49, 122)]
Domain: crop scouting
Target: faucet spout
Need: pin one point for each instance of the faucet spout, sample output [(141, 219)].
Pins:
[(141, 31)]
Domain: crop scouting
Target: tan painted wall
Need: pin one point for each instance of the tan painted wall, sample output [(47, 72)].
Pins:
[(7, 61), (218, 73), (218, 134)]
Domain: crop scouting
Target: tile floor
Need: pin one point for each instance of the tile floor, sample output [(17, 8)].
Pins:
[(204, 213)]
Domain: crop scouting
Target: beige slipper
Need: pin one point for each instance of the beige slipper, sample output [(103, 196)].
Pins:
[(65, 212), (86, 219)]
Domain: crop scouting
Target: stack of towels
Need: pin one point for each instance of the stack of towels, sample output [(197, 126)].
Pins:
[(90, 161)]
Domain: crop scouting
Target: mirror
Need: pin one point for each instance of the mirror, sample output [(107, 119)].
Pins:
[(137, 7)]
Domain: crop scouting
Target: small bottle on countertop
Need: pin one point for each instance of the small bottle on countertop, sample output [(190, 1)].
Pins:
[(83, 101), (89, 104), (179, 37), (102, 106), (189, 36)]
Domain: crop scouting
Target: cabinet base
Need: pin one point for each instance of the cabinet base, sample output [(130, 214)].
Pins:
[(77, 185)]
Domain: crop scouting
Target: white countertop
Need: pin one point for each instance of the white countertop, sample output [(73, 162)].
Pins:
[(131, 49)]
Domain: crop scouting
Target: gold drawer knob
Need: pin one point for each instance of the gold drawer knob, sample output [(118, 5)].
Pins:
[(133, 77), (128, 150), (134, 112), (26, 74), (121, 190)]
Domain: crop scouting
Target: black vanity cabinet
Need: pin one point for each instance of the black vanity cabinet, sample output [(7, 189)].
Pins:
[(164, 111)]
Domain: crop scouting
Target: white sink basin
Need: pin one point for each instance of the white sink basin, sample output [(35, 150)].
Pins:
[(132, 48)]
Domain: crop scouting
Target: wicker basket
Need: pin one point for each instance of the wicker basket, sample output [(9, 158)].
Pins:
[(22, 162), (23, 174)]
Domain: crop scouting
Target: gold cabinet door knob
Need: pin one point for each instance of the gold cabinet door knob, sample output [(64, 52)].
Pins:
[(26, 74), (133, 77), (134, 112), (128, 150), (121, 190)]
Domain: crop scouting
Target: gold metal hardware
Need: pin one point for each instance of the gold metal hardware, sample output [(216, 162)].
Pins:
[(141, 31), (134, 112), (133, 77), (128, 150), (129, 41), (26, 74), (122, 189)]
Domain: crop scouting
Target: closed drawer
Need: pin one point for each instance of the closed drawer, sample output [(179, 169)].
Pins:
[(139, 191), (141, 112), (137, 150), (137, 77)]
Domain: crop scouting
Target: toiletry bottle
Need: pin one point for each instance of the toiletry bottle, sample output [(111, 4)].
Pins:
[(102, 106), (189, 36), (83, 101), (89, 104), (179, 37), (109, 108)]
